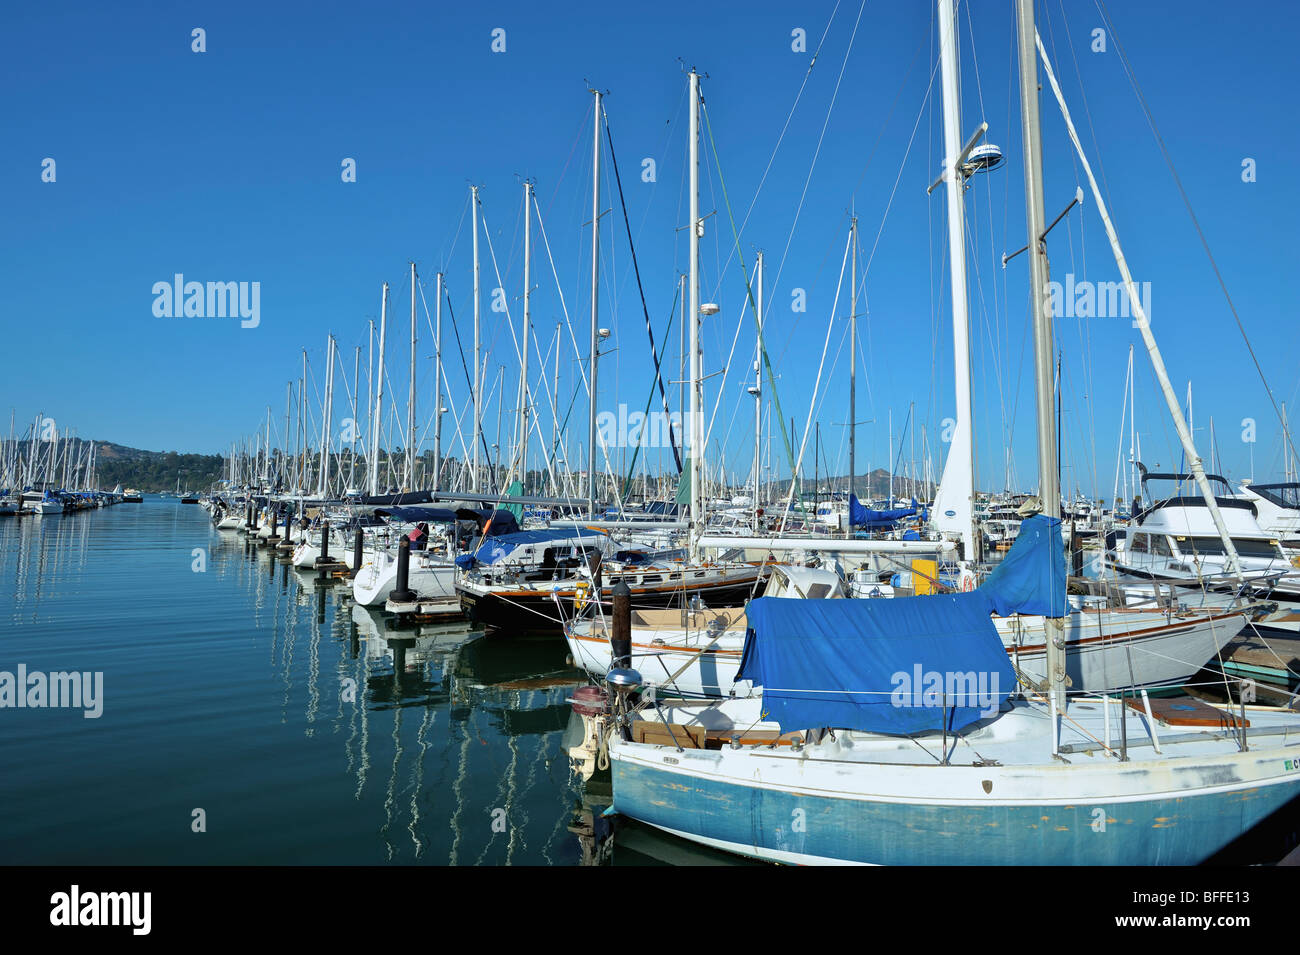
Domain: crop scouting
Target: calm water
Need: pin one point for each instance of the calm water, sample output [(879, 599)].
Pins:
[(305, 730)]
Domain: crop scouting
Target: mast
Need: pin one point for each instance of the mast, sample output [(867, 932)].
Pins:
[(1233, 564), (681, 353), (326, 419), (1214, 450), (437, 388), (379, 394), (696, 402), (1132, 399), (370, 385), (758, 385), (266, 467), (817, 474), (595, 291), (302, 426), (523, 374), (288, 406), (555, 414), (496, 448), (478, 390), (356, 387), (410, 400), (1048, 483), (953, 507), (911, 438), (853, 367), (1286, 448)]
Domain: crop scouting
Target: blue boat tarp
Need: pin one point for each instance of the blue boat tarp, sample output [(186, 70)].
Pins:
[(884, 665), (496, 546), (862, 516), (1031, 578)]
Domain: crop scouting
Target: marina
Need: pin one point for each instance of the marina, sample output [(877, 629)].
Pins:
[(638, 527)]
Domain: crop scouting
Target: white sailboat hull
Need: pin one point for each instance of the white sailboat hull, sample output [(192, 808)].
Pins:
[(1106, 650), (861, 798), (432, 578)]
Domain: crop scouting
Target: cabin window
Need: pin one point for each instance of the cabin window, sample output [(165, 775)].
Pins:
[(1160, 545), (1140, 544), (1213, 547), (819, 591), (651, 579)]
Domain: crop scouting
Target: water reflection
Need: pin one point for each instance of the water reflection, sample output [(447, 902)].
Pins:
[(455, 735), (316, 730)]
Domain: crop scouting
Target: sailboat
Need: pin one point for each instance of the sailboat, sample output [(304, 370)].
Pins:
[(1174, 541), (1278, 509), (1113, 644), (499, 595), (896, 731)]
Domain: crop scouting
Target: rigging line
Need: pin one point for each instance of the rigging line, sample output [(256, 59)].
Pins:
[(821, 399), (749, 296), (973, 237), (785, 128), (988, 193), (902, 441), (505, 304), (903, 165), (1004, 325), (1128, 68), (636, 451), (464, 365), (1083, 96), (1084, 329), (510, 324), (930, 215), (577, 137), (536, 351), (455, 238), (975, 60), (439, 364), (803, 195), (537, 427), (810, 287), (636, 268), (916, 55), (582, 371), (835, 307), (663, 153)]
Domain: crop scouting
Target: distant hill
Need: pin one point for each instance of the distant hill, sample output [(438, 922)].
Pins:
[(146, 470), (155, 470), (867, 486)]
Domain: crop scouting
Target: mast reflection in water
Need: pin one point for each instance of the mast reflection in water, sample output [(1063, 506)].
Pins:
[(251, 715)]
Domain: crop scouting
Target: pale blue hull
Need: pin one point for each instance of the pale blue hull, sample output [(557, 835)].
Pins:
[(784, 826)]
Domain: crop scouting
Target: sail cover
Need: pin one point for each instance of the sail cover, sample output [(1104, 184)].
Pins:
[(888, 665), (862, 516), (495, 547), (413, 515), (1031, 578)]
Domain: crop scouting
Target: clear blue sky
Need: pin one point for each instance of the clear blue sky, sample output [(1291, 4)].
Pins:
[(225, 166)]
